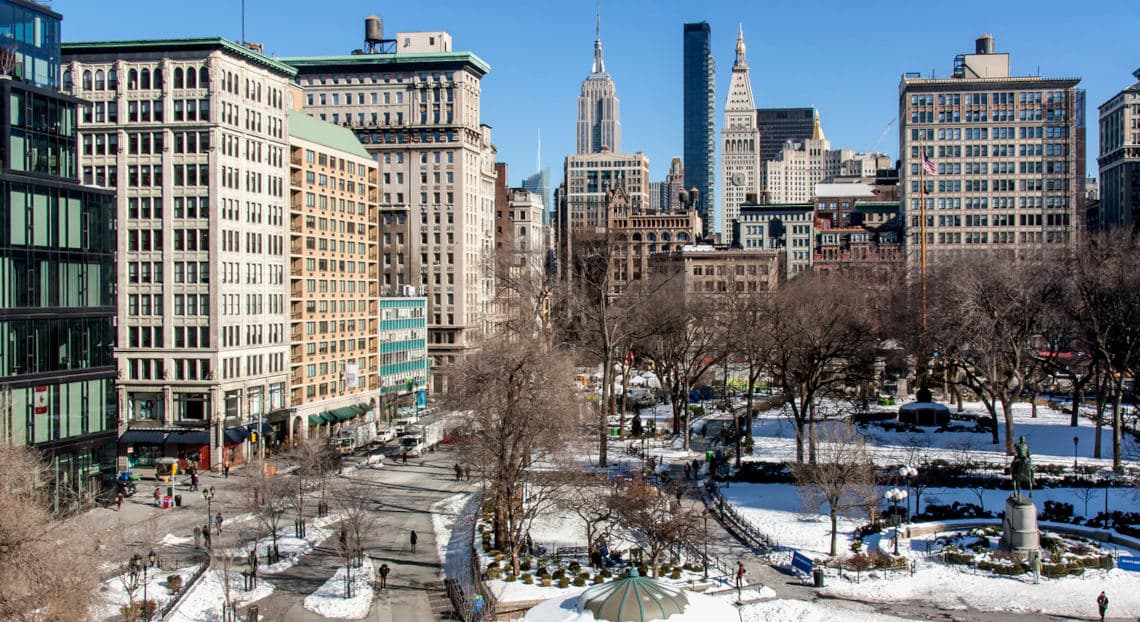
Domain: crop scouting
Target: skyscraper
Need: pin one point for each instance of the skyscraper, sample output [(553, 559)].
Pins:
[(740, 142), (57, 268), (700, 109), (599, 116), (1119, 159), (779, 125), (997, 159)]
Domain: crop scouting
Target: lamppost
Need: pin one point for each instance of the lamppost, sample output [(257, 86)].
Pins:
[(138, 562), (908, 473), (208, 494), (1076, 441), (895, 496), (706, 564)]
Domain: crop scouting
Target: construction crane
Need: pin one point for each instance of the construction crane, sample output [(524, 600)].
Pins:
[(881, 135)]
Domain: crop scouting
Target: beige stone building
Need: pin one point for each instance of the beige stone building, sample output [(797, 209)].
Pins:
[(1119, 159), (193, 134), (417, 113), (740, 145), (1006, 157), (708, 271), (334, 294), (637, 236)]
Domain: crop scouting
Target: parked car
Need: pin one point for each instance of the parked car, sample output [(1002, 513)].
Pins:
[(386, 434)]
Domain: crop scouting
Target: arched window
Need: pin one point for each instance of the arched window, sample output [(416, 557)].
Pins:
[(87, 80), (157, 78), (177, 77), (665, 237), (682, 237), (651, 237), (132, 79), (100, 80), (203, 78), (113, 80), (636, 237), (191, 79), (67, 81), (144, 80)]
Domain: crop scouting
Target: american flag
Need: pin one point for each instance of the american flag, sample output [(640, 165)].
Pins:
[(928, 166)]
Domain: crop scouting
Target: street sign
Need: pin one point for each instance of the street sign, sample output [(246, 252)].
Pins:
[(1128, 563), (801, 562)]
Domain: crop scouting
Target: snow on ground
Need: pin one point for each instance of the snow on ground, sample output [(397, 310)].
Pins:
[(776, 510), (114, 593), (454, 516), (801, 611), (329, 600), (173, 540), (204, 601), (292, 548), (1049, 435)]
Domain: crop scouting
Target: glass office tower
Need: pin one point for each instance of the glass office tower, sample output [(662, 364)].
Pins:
[(699, 110), (57, 271)]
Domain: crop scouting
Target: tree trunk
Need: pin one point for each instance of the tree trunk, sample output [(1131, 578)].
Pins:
[(1007, 415), (799, 442), (1078, 397), (687, 432), (993, 415), (1117, 423), (603, 428), (1099, 419), (1033, 403), (624, 394), (834, 527)]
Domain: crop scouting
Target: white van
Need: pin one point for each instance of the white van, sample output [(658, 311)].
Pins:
[(413, 444)]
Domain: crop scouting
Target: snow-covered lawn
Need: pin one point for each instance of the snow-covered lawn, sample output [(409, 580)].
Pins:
[(292, 548), (801, 611), (204, 601), (114, 592), (329, 600)]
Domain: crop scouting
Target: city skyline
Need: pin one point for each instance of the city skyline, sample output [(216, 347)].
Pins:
[(857, 99)]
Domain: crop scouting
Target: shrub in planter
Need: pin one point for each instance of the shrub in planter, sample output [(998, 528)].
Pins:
[(598, 578), (663, 570), (142, 610), (558, 573), (575, 567), (492, 573), (697, 568), (607, 573), (174, 582), (545, 581), (510, 577), (543, 571), (563, 582), (579, 581), (527, 578), (676, 574), (525, 563)]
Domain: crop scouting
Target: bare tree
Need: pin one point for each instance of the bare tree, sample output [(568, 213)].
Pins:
[(655, 520), (520, 398), (842, 478), (314, 460), (47, 566), (820, 330), (354, 500), (590, 497), (268, 496)]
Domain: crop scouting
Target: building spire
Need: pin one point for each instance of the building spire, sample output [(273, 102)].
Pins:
[(741, 62), (599, 63)]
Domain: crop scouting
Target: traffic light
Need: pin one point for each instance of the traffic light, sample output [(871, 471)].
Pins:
[(253, 437)]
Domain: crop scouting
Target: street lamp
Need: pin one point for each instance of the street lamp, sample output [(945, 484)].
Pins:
[(895, 496), (706, 564), (908, 473), (1076, 441), (138, 562), (208, 494)]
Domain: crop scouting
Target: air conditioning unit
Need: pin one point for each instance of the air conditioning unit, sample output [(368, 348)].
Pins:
[(408, 290)]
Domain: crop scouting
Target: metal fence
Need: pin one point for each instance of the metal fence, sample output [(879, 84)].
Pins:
[(735, 522)]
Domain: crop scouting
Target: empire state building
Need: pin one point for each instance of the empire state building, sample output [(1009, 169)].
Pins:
[(599, 127)]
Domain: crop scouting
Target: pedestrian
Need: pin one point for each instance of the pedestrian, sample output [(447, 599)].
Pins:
[(404, 456), (1102, 605), (467, 471), (739, 575), (118, 502), (197, 536), (157, 496), (384, 570), (206, 536), (193, 481), (688, 470), (226, 469), (413, 539), (458, 471), (680, 493), (218, 521)]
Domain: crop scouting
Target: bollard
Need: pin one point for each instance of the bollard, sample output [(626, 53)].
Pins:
[(251, 614)]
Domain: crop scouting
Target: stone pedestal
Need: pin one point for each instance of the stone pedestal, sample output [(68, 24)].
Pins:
[(1019, 528)]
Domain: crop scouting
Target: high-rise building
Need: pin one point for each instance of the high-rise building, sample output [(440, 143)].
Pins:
[(740, 143), (599, 114), (193, 133), (801, 165), (1004, 159), (1119, 159), (700, 110), (57, 266), (334, 244), (778, 126), (665, 196), (539, 183), (417, 114)]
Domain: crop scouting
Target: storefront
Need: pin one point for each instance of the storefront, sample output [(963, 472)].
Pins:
[(142, 446)]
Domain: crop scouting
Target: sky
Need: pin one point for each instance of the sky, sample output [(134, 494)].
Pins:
[(844, 58)]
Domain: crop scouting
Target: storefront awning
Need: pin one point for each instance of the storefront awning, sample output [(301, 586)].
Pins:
[(265, 428), (189, 437), (142, 437), (316, 419), (345, 413), (235, 435)]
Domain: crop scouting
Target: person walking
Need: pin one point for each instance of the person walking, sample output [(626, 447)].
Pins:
[(384, 570), (413, 540), (206, 536), (1102, 605), (404, 456), (226, 469), (458, 471), (197, 536), (688, 470), (118, 502), (467, 471), (194, 481), (739, 575), (218, 521)]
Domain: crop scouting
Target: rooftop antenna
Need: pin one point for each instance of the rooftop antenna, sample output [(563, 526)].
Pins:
[(243, 22), (538, 160)]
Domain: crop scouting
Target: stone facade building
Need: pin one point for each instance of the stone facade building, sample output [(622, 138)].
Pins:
[(1119, 159)]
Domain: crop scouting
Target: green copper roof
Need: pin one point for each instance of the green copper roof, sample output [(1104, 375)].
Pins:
[(381, 60), (633, 599), (78, 48), (314, 130)]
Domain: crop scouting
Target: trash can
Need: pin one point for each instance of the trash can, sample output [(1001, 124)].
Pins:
[(177, 501), (817, 576)]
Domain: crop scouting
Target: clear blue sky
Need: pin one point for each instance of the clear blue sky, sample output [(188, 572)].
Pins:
[(844, 58)]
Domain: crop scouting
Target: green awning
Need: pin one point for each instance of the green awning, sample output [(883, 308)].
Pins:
[(317, 419), (345, 413), (328, 417)]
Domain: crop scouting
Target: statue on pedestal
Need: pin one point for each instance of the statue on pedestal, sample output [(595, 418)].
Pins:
[(1021, 470)]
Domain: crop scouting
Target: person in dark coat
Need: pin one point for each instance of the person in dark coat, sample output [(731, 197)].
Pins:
[(1102, 605), (413, 540), (384, 570), (458, 471), (218, 521)]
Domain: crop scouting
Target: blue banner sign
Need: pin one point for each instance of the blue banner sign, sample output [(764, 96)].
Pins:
[(1128, 563), (803, 563)]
